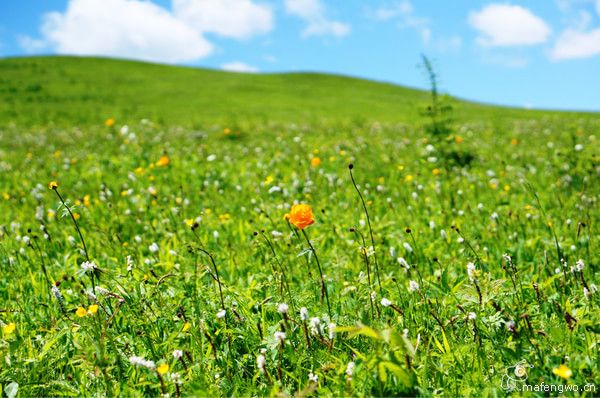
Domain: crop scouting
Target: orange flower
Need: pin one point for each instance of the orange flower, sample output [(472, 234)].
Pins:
[(163, 161), (315, 162), (301, 216)]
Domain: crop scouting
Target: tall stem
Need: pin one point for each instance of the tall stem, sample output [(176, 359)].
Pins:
[(369, 224), (323, 288)]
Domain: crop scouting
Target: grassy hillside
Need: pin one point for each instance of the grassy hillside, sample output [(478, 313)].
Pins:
[(71, 90)]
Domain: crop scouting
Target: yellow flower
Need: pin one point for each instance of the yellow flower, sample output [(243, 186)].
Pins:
[(76, 216), (9, 329), (563, 371), (507, 188), (162, 369), (109, 122), (301, 216), (458, 139), (92, 309), (86, 201), (186, 326), (408, 178), (163, 161), (514, 141), (224, 217), (269, 180), (315, 162), (436, 172), (53, 185), (6, 196), (226, 131), (81, 312)]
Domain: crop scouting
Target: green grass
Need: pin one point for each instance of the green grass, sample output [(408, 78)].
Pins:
[(530, 192), (67, 90)]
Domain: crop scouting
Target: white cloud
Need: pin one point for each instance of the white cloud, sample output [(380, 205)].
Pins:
[(313, 13), (508, 25), (141, 29), (237, 66), (120, 28), (237, 19), (573, 44), (404, 12)]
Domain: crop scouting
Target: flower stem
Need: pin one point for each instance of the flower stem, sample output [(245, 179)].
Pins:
[(323, 287)]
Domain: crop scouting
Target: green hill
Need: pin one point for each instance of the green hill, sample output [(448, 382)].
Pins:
[(72, 90)]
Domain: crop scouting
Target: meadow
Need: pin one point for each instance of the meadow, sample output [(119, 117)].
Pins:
[(149, 242)]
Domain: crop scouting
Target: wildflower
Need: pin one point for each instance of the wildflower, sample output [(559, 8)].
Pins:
[(88, 266), (367, 251), (8, 329), (403, 263), (443, 234), (109, 122), (163, 161), (350, 370), (314, 326), (579, 147), (579, 265), (385, 302), (280, 337), (392, 252), (563, 371), (494, 216), (408, 247), (282, 308), (153, 247), (261, 363), (57, 294), (162, 369), (472, 316), (472, 272), (315, 162), (129, 264), (53, 185), (460, 239), (81, 312), (413, 286), (177, 354), (221, 314), (186, 326), (313, 378), (141, 362), (331, 330), (301, 216), (304, 314), (511, 326), (520, 370)]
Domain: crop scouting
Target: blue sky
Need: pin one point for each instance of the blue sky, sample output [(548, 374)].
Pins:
[(541, 54)]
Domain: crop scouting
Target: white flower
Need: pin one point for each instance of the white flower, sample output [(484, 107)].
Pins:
[(403, 263), (314, 325), (511, 325), (88, 266), (282, 308), (57, 294), (331, 330), (432, 224), (221, 314), (261, 363), (471, 271), (507, 258), (460, 239), (494, 216), (350, 370), (472, 315), (579, 147), (313, 378), (304, 314), (279, 336), (141, 362), (26, 240), (443, 234), (177, 354), (385, 302), (586, 293), (413, 286), (579, 265), (392, 252), (408, 247), (211, 158), (153, 247)]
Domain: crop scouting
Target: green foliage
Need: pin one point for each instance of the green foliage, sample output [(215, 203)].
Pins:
[(531, 195)]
